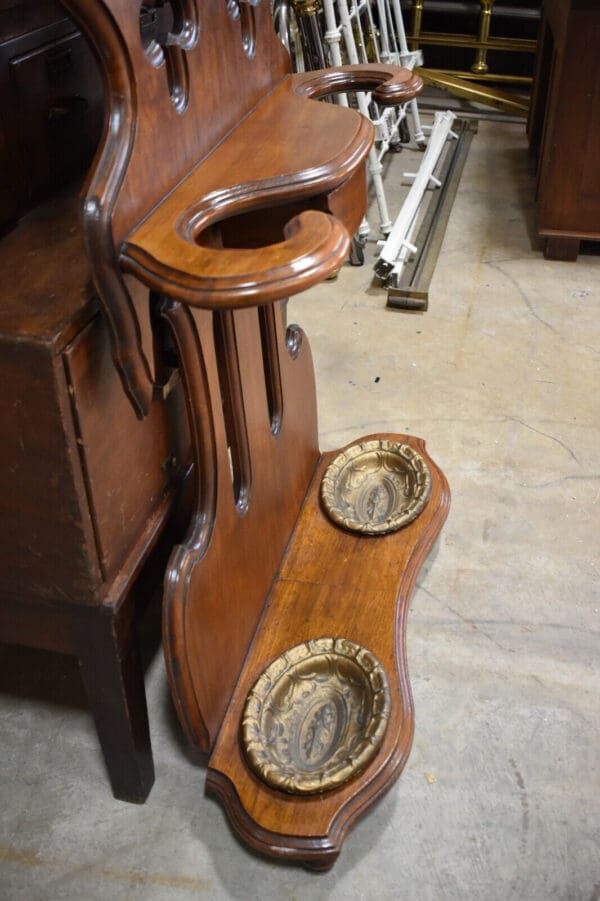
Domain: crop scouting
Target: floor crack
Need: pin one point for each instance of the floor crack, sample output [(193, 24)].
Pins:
[(545, 434)]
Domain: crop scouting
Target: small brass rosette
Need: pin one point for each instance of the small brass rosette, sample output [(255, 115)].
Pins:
[(316, 716), (375, 487)]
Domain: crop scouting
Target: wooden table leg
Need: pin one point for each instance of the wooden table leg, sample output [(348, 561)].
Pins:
[(114, 681)]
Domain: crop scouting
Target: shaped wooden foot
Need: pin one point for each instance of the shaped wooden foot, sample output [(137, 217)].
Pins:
[(332, 584)]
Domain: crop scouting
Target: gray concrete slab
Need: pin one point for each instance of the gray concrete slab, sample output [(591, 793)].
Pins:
[(499, 799)]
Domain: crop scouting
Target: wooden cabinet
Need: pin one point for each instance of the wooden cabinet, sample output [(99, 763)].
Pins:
[(80, 475), (564, 126), (87, 491)]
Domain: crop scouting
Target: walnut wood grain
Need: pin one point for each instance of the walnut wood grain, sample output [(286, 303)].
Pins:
[(218, 579), (231, 181), (273, 147), (150, 142), (166, 251), (331, 583), (223, 202), (390, 85)]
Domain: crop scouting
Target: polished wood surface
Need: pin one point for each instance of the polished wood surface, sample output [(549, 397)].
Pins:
[(330, 583), (162, 125), (564, 126), (218, 580), (222, 203), (167, 251)]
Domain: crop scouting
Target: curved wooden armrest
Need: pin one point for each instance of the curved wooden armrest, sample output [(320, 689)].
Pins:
[(315, 245), (317, 152), (316, 155), (390, 85)]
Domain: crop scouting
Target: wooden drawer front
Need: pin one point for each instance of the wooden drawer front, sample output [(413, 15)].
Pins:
[(127, 464), (47, 548)]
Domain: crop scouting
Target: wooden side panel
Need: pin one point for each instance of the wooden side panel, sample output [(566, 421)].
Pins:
[(46, 294), (128, 464), (47, 548), (219, 579), (569, 182)]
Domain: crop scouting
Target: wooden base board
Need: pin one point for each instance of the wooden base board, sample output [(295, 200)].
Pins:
[(339, 584)]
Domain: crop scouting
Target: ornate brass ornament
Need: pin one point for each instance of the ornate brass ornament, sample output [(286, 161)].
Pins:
[(376, 486), (316, 716)]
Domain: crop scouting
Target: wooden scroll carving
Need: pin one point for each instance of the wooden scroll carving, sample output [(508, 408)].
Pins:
[(222, 186)]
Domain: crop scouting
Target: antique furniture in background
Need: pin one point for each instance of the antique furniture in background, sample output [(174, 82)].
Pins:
[(223, 202), (475, 48), (564, 126), (481, 40), (88, 493), (52, 104)]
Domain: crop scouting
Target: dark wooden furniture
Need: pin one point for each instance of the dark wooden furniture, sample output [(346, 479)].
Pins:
[(87, 492), (564, 126), (52, 104), (222, 202)]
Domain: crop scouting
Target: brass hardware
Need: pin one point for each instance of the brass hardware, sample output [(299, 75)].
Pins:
[(307, 15), (416, 23), (480, 66), (516, 45), (376, 487), (316, 716), (482, 43), (306, 7), (496, 97), (524, 80)]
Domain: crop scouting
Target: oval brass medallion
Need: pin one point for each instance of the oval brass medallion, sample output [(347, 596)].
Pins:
[(376, 486), (316, 716)]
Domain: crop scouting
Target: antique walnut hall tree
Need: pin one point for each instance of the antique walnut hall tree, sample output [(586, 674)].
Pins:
[(223, 186)]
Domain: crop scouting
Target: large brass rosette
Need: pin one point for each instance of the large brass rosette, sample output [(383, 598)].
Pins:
[(376, 486), (316, 716)]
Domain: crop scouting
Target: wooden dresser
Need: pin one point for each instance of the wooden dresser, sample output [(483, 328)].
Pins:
[(564, 126)]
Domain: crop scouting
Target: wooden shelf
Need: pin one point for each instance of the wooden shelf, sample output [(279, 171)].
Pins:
[(340, 584)]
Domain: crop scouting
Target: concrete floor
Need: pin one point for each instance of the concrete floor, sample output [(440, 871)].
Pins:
[(499, 799)]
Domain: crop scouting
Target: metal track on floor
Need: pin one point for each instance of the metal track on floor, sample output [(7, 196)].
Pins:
[(413, 291)]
